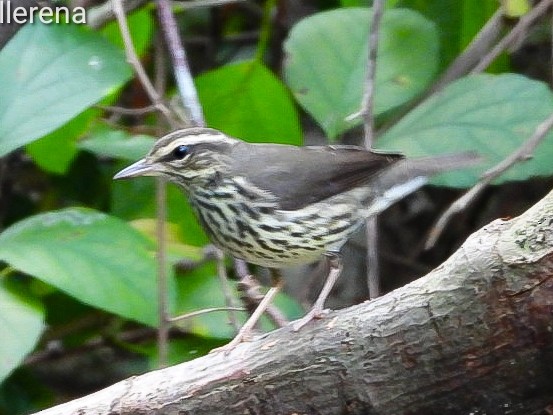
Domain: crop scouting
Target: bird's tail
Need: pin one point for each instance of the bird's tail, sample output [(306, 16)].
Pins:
[(429, 166), (408, 175)]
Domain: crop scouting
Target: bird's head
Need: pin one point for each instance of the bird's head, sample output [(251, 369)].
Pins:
[(186, 157)]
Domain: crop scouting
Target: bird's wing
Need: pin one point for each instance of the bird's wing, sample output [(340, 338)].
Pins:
[(298, 176)]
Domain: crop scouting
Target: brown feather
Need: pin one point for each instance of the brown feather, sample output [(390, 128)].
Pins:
[(299, 176)]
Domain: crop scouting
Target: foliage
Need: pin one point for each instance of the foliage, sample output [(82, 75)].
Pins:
[(246, 100), (43, 89), (98, 254), (493, 114), (327, 81)]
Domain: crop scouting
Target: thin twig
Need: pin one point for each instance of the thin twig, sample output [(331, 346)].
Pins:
[(367, 109), (162, 285), (227, 290), (185, 83), (265, 33), (134, 61), (160, 66), (102, 14), (522, 26), (204, 311), (155, 97), (164, 314), (524, 152), (210, 253), (56, 349), (373, 280), (373, 266), (480, 45), (191, 103), (196, 4), (128, 111)]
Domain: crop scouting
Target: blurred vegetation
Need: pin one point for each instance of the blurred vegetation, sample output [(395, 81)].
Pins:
[(77, 284)]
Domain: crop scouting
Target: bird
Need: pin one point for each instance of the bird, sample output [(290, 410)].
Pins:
[(278, 205)]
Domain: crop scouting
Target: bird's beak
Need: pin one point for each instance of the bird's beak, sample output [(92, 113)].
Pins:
[(140, 168)]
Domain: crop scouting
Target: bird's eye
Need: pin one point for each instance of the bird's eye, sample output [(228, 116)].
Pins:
[(180, 152)]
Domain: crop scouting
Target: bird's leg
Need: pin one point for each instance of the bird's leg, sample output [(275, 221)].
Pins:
[(246, 329), (335, 262), (251, 296)]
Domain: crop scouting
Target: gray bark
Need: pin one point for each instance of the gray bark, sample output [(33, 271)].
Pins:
[(473, 336)]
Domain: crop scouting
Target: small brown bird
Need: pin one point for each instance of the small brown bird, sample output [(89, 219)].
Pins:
[(280, 205)]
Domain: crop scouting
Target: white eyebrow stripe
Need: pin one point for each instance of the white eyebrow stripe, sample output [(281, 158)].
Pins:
[(170, 143)]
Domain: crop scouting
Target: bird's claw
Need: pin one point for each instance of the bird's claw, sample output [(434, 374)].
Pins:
[(230, 346), (313, 314)]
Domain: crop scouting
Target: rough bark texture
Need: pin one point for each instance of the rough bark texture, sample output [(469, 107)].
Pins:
[(473, 336)]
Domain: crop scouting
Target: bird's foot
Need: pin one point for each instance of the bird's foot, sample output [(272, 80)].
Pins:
[(241, 337), (313, 314)]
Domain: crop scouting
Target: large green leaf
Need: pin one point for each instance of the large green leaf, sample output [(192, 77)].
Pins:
[(63, 141), (247, 101), (98, 259), (49, 75), (135, 199), (490, 114), (21, 323), (117, 144), (326, 59), (176, 249)]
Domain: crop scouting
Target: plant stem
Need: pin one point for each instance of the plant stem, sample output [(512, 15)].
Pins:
[(183, 76), (373, 280), (265, 30)]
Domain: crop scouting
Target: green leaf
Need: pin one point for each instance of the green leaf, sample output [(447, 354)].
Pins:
[(248, 101), (354, 3), (63, 141), (21, 324), (25, 393), (135, 199), (117, 144), (51, 73), (326, 59), (176, 249), (516, 8), (98, 259), (201, 288), (490, 114)]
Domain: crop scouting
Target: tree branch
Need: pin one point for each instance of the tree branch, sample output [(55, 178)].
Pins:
[(474, 335)]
